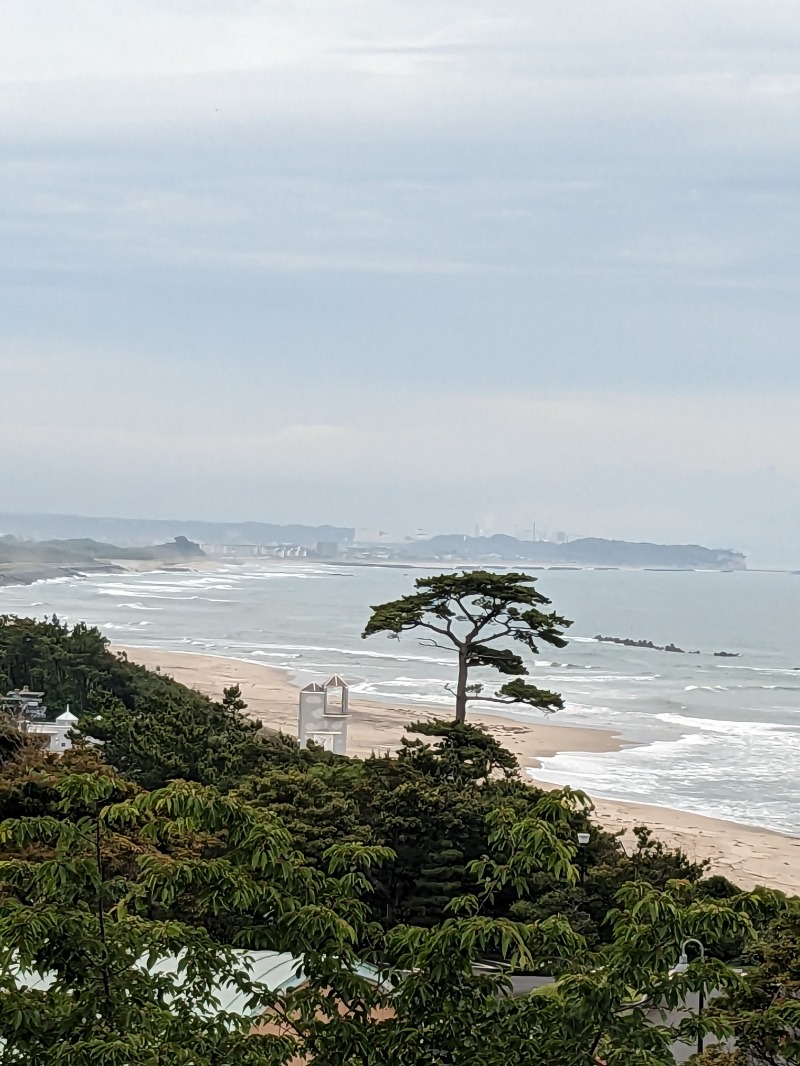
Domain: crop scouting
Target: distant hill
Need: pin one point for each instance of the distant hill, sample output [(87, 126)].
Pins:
[(587, 551), (24, 561), (133, 531), (64, 540)]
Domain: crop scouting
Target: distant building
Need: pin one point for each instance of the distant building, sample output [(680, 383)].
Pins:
[(27, 710), (23, 705), (327, 549), (256, 551), (55, 732), (271, 971)]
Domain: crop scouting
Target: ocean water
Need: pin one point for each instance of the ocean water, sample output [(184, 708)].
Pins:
[(715, 736)]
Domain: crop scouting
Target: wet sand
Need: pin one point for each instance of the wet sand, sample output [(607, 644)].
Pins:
[(375, 727)]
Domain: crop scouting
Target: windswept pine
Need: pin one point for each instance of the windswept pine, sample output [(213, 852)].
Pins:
[(468, 613)]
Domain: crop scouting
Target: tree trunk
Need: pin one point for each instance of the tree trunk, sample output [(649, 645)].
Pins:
[(461, 687), (101, 907)]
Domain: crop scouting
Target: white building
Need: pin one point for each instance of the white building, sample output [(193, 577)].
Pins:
[(323, 715), (56, 731)]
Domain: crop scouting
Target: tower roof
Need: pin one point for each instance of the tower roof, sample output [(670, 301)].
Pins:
[(336, 682)]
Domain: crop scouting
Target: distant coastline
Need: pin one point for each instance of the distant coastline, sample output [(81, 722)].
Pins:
[(25, 574), (23, 562), (596, 552), (75, 540), (29, 574)]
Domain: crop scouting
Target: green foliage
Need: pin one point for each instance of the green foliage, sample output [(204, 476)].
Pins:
[(232, 699), (315, 805), (434, 806), (11, 739), (764, 1011), (439, 869), (433, 825), (80, 931), (467, 613), (70, 665), (172, 732), (463, 755), (105, 877), (437, 1004), (153, 729), (434, 829)]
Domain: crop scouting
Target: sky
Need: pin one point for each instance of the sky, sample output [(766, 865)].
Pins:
[(405, 264)]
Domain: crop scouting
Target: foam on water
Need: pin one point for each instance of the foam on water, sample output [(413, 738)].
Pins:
[(714, 725), (688, 774), (717, 737), (338, 652), (706, 688)]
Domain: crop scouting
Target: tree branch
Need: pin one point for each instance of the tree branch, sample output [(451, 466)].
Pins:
[(480, 624), (491, 699), (460, 603), (429, 642), (448, 632), (508, 631)]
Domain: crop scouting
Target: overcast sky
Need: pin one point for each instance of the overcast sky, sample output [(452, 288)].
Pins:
[(405, 263)]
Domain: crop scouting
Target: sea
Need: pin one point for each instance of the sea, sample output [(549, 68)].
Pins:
[(714, 735)]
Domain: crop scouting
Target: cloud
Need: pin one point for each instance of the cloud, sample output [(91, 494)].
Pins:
[(203, 69), (406, 438), (458, 258), (707, 468)]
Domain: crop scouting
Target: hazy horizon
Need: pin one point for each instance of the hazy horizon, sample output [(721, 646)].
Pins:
[(24, 527), (405, 266)]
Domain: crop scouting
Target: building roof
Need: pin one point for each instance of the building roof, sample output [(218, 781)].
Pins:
[(64, 721), (277, 971), (336, 682)]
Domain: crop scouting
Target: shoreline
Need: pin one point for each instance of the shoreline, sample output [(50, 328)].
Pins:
[(31, 572), (747, 855), (271, 697), (14, 575)]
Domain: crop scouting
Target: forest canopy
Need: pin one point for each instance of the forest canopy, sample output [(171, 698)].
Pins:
[(192, 831)]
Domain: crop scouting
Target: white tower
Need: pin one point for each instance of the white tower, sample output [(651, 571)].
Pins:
[(323, 715)]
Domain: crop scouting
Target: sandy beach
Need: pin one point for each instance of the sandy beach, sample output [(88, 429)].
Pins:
[(747, 855)]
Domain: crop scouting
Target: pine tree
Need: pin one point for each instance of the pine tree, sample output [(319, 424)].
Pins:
[(468, 613)]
